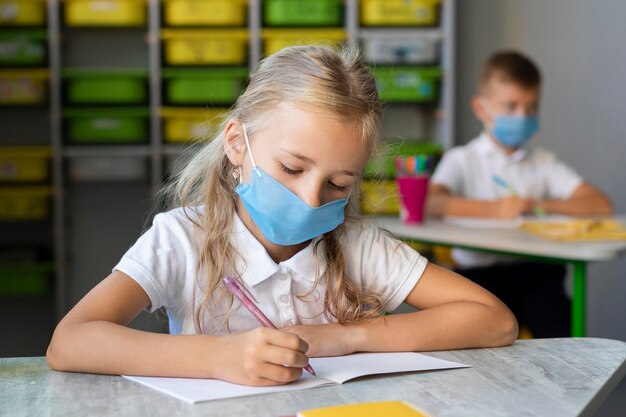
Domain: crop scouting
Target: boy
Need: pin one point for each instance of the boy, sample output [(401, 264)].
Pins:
[(497, 175)]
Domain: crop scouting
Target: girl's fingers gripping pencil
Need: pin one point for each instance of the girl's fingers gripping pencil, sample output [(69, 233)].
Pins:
[(238, 290)]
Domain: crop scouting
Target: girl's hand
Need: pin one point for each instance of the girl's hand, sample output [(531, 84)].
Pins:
[(261, 357), (326, 339)]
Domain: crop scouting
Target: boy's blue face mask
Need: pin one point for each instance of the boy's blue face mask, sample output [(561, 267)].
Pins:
[(513, 131), (283, 217)]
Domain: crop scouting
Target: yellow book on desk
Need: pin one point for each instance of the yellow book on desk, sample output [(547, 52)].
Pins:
[(373, 409), (577, 229)]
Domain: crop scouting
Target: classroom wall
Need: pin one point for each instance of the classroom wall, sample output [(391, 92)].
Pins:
[(579, 45)]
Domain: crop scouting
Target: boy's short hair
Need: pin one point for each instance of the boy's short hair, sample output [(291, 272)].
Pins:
[(510, 66)]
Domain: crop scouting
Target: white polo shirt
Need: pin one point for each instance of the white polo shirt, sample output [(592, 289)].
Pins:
[(467, 171), (163, 262)]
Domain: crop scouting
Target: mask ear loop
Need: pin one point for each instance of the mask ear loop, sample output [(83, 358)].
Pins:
[(245, 136)]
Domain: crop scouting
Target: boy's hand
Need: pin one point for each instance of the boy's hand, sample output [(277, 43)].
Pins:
[(261, 357), (510, 207)]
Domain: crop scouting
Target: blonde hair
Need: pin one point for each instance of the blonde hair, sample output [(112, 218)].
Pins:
[(313, 78)]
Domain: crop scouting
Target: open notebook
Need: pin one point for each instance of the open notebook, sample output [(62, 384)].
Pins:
[(330, 371), (484, 223)]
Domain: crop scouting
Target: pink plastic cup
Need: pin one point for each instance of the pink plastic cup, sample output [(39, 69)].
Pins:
[(412, 192)]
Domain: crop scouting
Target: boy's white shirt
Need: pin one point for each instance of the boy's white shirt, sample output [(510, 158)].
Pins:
[(163, 262), (467, 171)]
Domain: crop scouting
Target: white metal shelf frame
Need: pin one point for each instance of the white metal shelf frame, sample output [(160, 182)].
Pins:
[(56, 141)]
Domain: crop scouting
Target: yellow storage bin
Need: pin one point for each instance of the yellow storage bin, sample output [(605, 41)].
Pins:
[(276, 39), (22, 12), (24, 164), (121, 13), (24, 203), (187, 124), (205, 47), (205, 12), (379, 197), (23, 87), (399, 12)]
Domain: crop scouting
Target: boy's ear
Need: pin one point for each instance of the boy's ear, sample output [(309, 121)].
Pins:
[(234, 145), (479, 109)]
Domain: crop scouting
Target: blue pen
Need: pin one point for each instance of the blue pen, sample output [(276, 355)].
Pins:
[(539, 212), (502, 183)]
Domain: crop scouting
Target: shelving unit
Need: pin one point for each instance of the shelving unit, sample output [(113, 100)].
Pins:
[(95, 221), (417, 61), (26, 240)]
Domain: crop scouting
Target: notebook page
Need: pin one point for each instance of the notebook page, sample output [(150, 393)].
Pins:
[(193, 390), (484, 223), (343, 368), (330, 371)]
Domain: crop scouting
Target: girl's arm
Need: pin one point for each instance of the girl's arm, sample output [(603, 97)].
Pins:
[(93, 337), (454, 313)]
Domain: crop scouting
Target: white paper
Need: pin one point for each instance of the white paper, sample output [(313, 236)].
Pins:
[(483, 223), (330, 371)]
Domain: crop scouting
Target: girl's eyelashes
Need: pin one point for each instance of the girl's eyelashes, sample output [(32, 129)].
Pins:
[(331, 185), (289, 170), (337, 187)]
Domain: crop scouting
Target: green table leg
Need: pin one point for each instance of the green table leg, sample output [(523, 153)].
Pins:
[(579, 315)]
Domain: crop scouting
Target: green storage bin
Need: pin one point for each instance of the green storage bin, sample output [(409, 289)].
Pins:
[(204, 86), (25, 279), (106, 87), (382, 165), (407, 84), (107, 125), (23, 48), (302, 12)]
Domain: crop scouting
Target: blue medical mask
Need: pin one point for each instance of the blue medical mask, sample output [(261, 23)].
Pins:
[(283, 217), (514, 131)]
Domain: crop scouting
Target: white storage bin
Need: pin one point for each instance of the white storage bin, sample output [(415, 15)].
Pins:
[(108, 168), (400, 50)]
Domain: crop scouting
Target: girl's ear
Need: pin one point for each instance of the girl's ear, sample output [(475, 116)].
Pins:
[(234, 143)]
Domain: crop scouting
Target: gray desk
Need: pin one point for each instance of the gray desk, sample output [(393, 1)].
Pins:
[(516, 242), (540, 377)]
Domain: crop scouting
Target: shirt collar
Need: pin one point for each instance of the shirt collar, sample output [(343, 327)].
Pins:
[(487, 146), (256, 265), (303, 262)]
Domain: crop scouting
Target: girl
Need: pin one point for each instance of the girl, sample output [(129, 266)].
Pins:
[(272, 201)]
